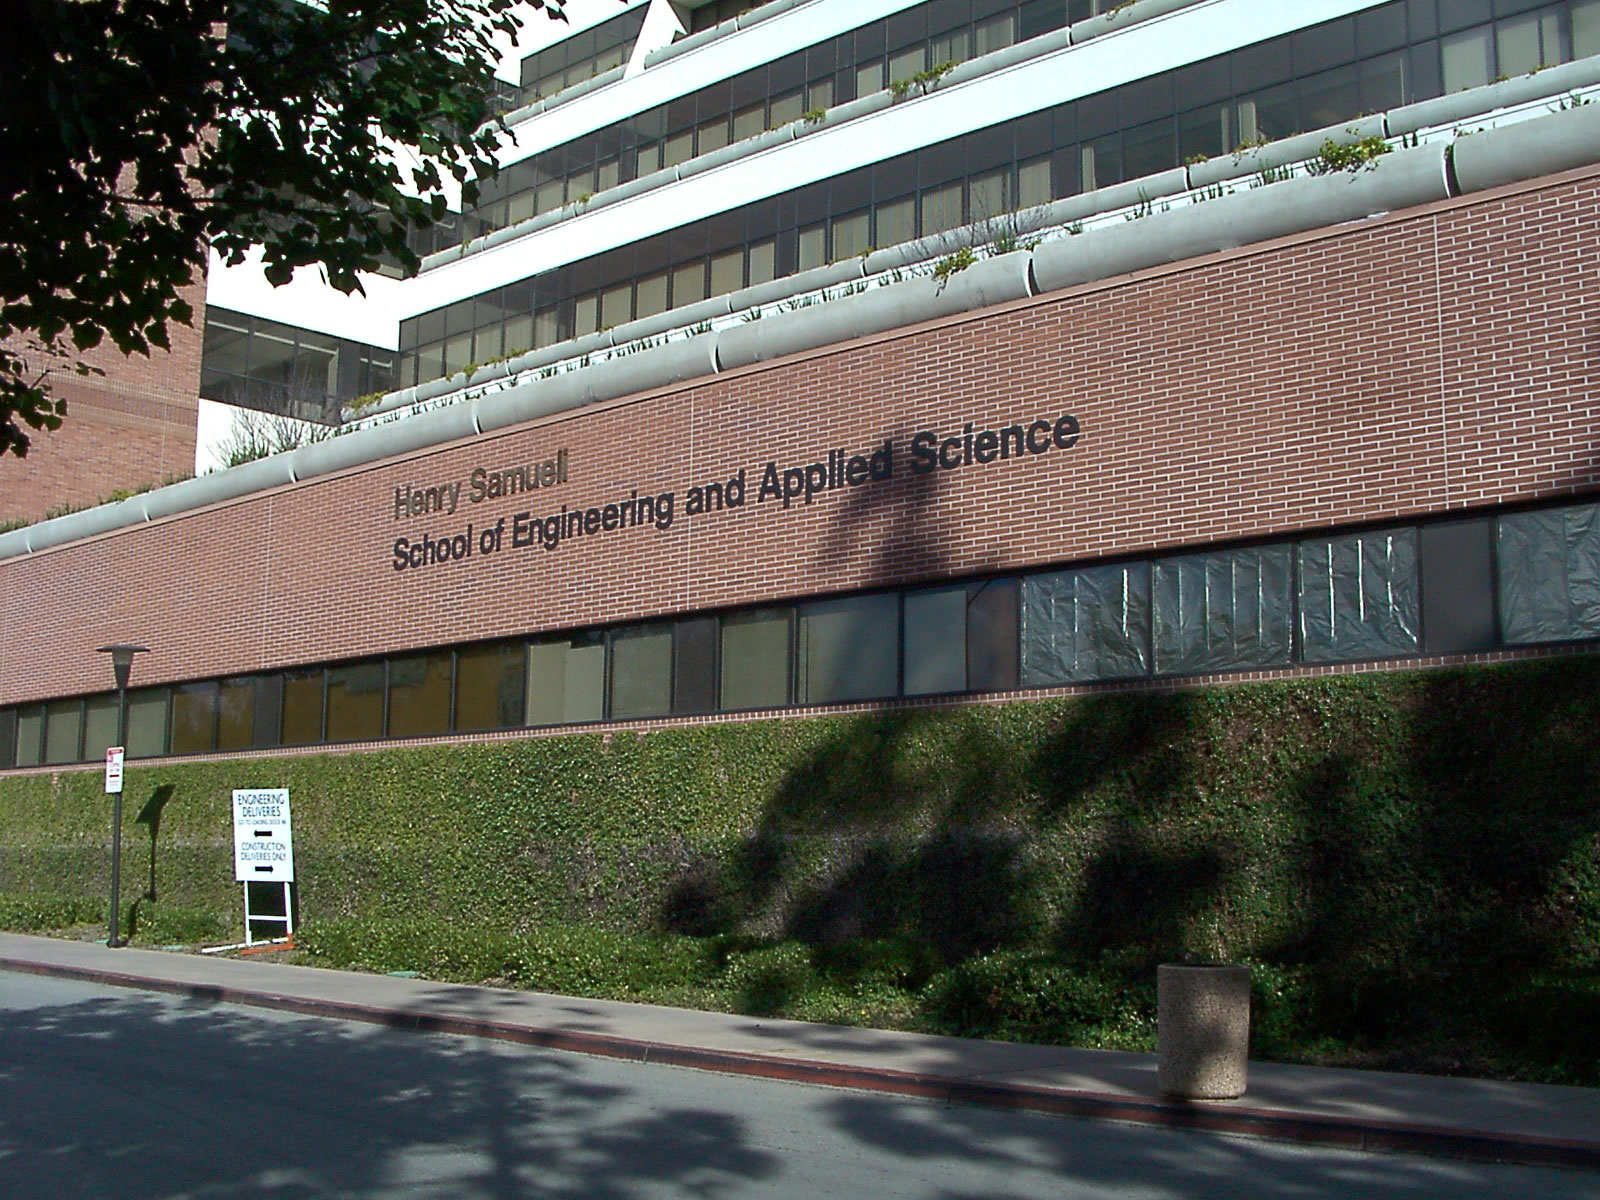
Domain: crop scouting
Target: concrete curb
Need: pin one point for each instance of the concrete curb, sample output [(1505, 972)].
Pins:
[(1345, 1133)]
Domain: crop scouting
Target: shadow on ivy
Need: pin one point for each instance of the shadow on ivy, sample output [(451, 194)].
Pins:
[(1449, 900), (150, 817), (908, 843)]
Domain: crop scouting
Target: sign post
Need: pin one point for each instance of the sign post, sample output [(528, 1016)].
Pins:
[(263, 851), (113, 770)]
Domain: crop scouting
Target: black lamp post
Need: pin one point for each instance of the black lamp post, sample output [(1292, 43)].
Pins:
[(122, 663)]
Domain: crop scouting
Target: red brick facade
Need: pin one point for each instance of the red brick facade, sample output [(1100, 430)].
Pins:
[(1433, 360), (128, 428)]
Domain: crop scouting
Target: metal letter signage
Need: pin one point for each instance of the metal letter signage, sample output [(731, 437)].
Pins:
[(263, 846)]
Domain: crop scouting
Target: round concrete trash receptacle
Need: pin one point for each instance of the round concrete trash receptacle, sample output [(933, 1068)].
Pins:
[(1202, 1031)]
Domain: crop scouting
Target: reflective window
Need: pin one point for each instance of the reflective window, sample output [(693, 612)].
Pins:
[(756, 652), (355, 702), (641, 672), (302, 707), (489, 686), (63, 731), (194, 718), (566, 680), (849, 649), (99, 727), (30, 736), (936, 641), (147, 722), (419, 694)]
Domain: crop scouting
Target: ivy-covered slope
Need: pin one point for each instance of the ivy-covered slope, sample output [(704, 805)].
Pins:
[(1412, 860)]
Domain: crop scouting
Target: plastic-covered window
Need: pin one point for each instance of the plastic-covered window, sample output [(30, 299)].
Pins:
[(1086, 624), (1223, 611), (1358, 596), (1549, 566)]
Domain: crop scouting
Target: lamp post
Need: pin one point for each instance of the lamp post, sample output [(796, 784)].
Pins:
[(122, 663)]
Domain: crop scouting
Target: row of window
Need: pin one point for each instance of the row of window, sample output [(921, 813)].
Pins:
[(577, 58), (1444, 587), (859, 63), (1390, 55), (257, 363)]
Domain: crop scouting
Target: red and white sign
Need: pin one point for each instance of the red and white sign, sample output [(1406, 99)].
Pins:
[(113, 770)]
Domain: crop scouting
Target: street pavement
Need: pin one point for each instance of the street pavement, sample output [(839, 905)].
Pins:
[(1359, 1110)]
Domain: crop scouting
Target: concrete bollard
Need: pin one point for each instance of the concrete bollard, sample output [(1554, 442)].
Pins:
[(1202, 1031)]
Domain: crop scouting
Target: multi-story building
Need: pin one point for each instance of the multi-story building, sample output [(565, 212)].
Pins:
[(826, 352)]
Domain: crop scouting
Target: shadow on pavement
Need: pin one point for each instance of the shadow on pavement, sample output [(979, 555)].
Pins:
[(98, 1098)]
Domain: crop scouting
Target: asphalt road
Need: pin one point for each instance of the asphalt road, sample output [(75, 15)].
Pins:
[(105, 1092)]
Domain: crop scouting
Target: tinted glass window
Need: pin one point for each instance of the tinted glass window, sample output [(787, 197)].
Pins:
[(849, 649)]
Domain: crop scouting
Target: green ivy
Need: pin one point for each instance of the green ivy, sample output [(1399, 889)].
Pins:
[(1409, 860)]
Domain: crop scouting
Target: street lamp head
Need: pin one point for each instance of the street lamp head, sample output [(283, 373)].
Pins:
[(121, 659)]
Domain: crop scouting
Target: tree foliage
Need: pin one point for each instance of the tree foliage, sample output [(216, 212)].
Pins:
[(135, 134)]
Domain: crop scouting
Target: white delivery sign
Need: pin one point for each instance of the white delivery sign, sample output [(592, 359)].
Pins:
[(263, 845)]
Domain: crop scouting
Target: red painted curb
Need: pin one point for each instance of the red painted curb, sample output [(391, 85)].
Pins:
[(1345, 1133)]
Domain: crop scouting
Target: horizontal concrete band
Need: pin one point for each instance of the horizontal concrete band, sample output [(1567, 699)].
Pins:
[(1345, 1133)]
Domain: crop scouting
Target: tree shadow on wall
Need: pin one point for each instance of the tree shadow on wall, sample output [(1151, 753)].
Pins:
[(1452, 917), (938, 831)]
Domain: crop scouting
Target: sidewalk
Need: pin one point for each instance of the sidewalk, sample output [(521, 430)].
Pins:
[(1361, 1110)]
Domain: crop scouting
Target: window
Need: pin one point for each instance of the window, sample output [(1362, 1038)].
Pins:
[(849, 649), (762, 262), (1457, 586), (355, 702), (785, 109), (63, 731), (941, 209), (302, 707), (1033, 183), (1549, 568), (30, 736), (566, 680), (903, 64), (936, 641), (1222, 611), (489, 686), (689, 283), (755, 659), (1358, 596), (813, 247), (851, 235), (996, 33), (641, 672), (896, 221), (694, 673), (748, 122), (194, 718), (616, 306), (8, 737), (419, 694), (1585, 28), (1091, 623), (99, 727), (1526, 43), (147, 723), (1466, 60), (869, 77)]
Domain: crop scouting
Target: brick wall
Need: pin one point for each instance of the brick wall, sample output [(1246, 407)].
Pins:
[(1433, 360), (131, 426)]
